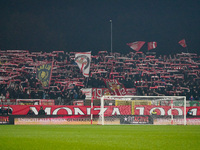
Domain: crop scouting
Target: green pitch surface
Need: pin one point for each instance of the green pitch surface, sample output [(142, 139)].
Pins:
[(94, 137)]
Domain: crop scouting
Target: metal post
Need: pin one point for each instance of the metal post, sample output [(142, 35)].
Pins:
[(111, 35), (91, 109)]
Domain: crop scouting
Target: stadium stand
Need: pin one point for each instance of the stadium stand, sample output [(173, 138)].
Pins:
[(149, 74)]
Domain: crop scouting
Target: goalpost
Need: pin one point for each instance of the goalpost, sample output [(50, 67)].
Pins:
[(157, 110)]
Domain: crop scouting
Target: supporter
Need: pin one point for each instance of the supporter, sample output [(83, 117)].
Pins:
[(127, 83), (76, 96), (7, 95), (10, 94), (71, 94), (45, 94), (101, 83), (4, 90), (2, 110), (89, 83), (174, 78), (25, 83), (95, 82), (52, 95), (27, 94), (64, 97), (58, 101), (191, 98), (67, 99), (81, 95), (17, 92), (36, 94), (197, 98), (41, 111), (8, 111), (2, 98)]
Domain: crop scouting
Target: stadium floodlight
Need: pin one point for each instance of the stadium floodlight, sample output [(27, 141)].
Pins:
[(158, 110), (111, 35)]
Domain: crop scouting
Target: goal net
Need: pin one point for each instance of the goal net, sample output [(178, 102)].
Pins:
[(157, 110)]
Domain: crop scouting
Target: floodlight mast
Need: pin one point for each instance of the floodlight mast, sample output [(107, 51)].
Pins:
[(111, 36)]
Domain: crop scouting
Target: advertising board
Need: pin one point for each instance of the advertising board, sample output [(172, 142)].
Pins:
[(132, 119), (4, 120)]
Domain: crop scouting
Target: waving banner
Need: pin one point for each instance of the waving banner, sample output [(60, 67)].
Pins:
[(136, 45), (182, 43), (152, 45), (83, 60), (115, 87), (43, 73)]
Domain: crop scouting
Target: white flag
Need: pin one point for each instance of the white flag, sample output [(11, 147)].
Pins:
[(83, 60)]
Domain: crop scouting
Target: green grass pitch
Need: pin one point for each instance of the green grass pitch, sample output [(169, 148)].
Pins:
[(97, 137)]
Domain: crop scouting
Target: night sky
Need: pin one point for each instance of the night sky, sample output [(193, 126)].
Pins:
[(84, 25)]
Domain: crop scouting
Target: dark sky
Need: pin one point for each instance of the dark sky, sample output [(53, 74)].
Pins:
[(84, 25)]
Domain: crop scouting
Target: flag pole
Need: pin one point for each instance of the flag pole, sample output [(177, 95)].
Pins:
[(187, 49), (183, 44), (87, 82), (147, 48)]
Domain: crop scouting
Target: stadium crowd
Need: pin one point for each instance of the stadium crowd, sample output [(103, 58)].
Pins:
[(149, 74)]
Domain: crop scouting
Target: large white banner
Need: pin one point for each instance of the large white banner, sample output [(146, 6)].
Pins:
[(83, 60)]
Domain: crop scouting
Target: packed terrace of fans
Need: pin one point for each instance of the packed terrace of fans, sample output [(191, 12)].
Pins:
[(151, 75)]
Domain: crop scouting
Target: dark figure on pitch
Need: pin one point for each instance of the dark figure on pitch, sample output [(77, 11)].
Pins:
[(41, 111)]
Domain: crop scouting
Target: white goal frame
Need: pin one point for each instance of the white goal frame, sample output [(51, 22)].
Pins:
[(132, 96)]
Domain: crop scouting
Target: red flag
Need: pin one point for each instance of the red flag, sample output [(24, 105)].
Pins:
[(152, 45), (182, 43), (136, 45)]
